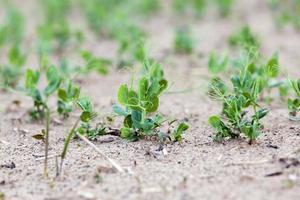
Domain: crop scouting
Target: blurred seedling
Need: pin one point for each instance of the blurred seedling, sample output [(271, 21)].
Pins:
[(139, 106), (244, 39), (240, 112), (217, 63), (66, 97), (96, 64), (183, 42), (224, 6), (196, 6), (55, 33), (294, 104), (11, 73), (131, 44), (286, 12), (12, 30)]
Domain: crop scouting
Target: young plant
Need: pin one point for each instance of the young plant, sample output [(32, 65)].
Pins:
[(131, 44), (11, 32), (268, 71), (240, 113), (11, 72), (197, 6), (86, 117), (244, 39), (99, 65), (40, 97), (55, 33), (41, 109), (286, 12), (66, 97), (294, 104), (139, 105), (217, 64), (183, 42), (224, 6), (87, 114)]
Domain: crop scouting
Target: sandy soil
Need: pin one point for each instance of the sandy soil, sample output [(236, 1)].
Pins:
[(197, 168)]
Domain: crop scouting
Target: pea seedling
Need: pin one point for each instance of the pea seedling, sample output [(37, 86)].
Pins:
[(294, 104), (12, 71), (244, 38), (197, 6), (224, 6), (41, 109), (286, 12), (66, 97), (141, 103), (11, 32), (99, 65), (235, 117), (268, 71), (87, 114), (217, 64), (183, 42), (55, 33)]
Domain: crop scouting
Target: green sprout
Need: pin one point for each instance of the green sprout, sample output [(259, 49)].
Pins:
[(286, 12), (294, 104), (183, 42), (40, 97), (241, 112), (11, 72), (224, 6), (245, 39), (268, 71), (139, 105), (55, 33), (66, 97), (41, 109), (11, 32), (86, 116), (197, 6), (92, 63), (217, 64)]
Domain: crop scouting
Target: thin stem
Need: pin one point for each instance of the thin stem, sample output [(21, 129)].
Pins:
[(66, 145), (46, 141)]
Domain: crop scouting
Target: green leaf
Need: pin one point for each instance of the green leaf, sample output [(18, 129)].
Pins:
[(262, 113), (84, 104), (54, 80), (177, 134), (152, 104), (148, 126), (215, 121), (137, 118), (31, 79), (128, 121), (163, 85), (143, 87), (119, 110), (123, 94), (128, 134), (273, 66), (87, 116), (62, 94)]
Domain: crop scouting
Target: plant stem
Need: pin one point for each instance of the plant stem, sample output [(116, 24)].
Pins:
[(46, 141), (66, 145)]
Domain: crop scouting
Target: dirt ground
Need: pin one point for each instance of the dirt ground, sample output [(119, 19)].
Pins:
[(197, 168)]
